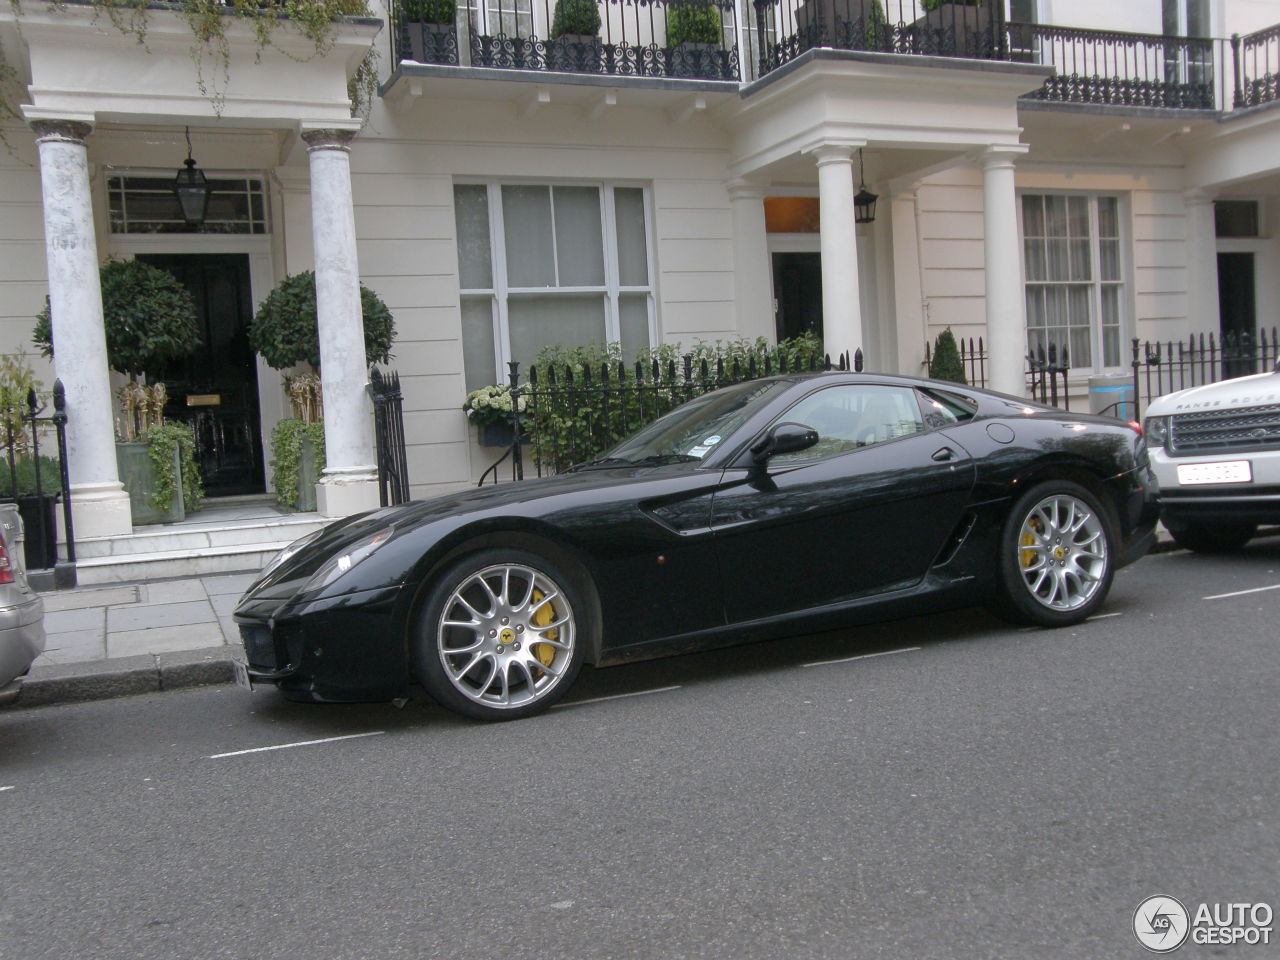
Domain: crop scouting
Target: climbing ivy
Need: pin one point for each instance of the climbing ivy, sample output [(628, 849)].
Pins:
[(208, 21), (286, 449), (161, 442)]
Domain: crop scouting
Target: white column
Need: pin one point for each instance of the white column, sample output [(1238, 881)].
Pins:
[(1203, 309), (841, 303), (908, 295), (1006, 304), (99, 504), (350, 480), (752, 290)]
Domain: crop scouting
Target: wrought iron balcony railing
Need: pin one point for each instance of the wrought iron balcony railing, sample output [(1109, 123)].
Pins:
[(681, 39), (733, 40)]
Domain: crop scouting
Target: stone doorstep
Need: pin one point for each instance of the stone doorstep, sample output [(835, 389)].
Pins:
[(178, 537), (164, 565)]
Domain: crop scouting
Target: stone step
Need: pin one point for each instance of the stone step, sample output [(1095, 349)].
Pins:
[(166, 564), (197, 538)]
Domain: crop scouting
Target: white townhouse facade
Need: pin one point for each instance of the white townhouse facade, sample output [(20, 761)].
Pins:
[(1047, 173)]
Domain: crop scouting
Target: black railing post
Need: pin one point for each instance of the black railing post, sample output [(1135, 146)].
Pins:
[(1238, 100), (517, 458)]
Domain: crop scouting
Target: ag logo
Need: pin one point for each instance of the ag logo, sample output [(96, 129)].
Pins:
[(1161, 924)]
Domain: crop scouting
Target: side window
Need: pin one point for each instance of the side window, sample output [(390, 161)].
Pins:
[(854, 416), (942, 409)]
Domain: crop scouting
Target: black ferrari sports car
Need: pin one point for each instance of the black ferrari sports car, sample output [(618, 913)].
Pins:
[(764, 509)]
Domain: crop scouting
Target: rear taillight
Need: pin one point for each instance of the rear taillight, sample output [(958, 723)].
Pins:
[(1136, 427), (6, 565)]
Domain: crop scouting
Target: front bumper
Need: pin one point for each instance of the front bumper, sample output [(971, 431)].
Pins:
[(1257, 501), (347, 648)]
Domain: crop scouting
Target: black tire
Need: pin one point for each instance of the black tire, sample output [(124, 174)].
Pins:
[(1218, 536), (1063, 579), (503, 614)]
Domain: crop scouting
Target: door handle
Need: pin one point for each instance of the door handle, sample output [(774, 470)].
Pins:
[(943, 455)]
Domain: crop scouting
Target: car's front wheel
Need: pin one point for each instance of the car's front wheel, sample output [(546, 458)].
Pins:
[(1222, 536), (500, 635), (1056, 556)]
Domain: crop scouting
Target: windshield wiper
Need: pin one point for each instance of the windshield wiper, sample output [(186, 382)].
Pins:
[(602, 462), (661, 459)]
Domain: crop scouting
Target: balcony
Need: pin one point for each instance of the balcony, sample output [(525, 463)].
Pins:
[(665, 39), (745, 40)]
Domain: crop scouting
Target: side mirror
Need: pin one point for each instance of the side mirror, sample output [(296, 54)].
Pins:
[(783, 438)]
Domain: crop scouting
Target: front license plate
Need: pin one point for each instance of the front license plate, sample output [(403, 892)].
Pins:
[(1227, 471), (242, 674)]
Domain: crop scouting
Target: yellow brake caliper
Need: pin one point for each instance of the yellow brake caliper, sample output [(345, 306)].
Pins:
[(1028, 556), (544, 615)]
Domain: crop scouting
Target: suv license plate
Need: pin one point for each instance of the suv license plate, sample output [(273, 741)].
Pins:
[(1227, 471), (242, 674)]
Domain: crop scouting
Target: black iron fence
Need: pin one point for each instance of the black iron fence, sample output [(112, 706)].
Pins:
[(1047, 370), (566, 415), (37, 479), (685, 39), (1256, 60), (388, 423), (1160, 367)]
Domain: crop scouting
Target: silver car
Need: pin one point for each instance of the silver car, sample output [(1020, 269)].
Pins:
[(1215, 451), (21, 609)]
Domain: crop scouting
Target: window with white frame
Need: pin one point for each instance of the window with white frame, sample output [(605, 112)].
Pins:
[(540, 264), (1074, 286)]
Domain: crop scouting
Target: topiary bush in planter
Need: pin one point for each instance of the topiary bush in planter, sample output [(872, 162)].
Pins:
[(148, 316), (285, 330), (945, 364), (693, 22), (575, 18), (297, 458)]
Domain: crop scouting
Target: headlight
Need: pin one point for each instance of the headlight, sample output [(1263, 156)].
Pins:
[(288, 552), (337, 565), (1157, 431)]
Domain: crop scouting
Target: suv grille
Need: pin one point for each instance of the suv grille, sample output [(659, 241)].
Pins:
[(1213, 430)]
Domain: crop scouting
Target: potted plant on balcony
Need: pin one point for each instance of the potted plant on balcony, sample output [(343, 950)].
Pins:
[(150, 321), (286, 333), (694, 34), (432, 30), (575, 44), (846, 24), (953, 28)]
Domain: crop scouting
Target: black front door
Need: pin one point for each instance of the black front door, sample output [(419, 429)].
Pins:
[(1237, 313), (215, 390), (797, 294)]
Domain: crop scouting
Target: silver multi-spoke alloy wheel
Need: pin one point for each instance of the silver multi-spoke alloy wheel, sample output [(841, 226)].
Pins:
[(506, 636), (1062, 552)]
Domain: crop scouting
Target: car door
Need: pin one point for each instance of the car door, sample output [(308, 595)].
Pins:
[(865, 510)]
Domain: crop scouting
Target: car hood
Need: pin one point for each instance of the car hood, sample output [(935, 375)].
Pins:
[(1252, 391), (450, 510)]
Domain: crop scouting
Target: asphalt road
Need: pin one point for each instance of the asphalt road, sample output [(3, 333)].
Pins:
[(995, 793)]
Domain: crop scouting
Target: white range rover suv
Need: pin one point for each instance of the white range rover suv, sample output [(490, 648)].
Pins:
[(1215, 451)]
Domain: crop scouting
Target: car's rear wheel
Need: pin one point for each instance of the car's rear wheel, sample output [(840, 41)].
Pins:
[(1221, 536), (500, 635), (1056, 556)]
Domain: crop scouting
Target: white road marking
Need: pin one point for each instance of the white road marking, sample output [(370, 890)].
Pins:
[(617, 696), (300, 743), (1241, 593), (864, 656), (3, 789), (1101, 616)]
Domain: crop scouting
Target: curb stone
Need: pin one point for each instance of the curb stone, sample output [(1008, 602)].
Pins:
[(124, 676)]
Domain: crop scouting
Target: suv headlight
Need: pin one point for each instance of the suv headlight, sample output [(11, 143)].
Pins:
[(1157, 431), (339, 564)]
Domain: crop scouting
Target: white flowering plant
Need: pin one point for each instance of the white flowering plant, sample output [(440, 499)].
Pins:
[(490, 405)]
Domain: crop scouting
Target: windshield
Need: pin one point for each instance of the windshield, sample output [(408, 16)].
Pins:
[(695, 429)]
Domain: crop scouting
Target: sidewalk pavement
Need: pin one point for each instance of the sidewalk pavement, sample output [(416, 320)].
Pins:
[(118, 639), (110, 641)]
